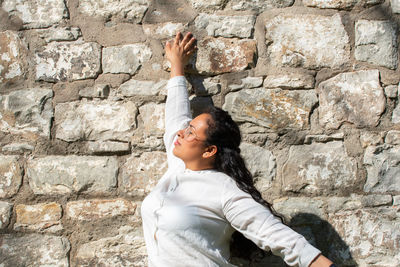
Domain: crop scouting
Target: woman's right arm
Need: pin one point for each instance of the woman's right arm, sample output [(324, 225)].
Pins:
[(177, 107)]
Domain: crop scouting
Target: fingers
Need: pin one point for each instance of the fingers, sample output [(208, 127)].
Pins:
[(178, 38), (187, 38), (190, 44)]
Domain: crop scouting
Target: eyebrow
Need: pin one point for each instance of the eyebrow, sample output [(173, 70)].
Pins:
[(192, 126)]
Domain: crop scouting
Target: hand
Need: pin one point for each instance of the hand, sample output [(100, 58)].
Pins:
[(179, 52)]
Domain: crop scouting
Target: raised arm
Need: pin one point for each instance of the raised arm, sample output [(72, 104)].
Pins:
[(177, 108)]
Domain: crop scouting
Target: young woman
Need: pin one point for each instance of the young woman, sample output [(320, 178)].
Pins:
[(207, 193)]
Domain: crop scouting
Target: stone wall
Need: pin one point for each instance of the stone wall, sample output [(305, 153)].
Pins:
[(314, 85)]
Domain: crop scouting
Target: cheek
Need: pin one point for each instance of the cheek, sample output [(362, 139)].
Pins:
[(187, 151)]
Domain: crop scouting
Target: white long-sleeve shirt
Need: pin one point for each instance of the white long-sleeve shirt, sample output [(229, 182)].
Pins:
[(189, 217)]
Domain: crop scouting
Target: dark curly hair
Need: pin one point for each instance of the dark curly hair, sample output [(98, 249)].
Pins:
[(224, 133)]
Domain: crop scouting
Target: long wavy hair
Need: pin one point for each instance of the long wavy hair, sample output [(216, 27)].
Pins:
[(224, 133)]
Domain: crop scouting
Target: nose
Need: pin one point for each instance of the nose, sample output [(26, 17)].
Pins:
[(180, 133)]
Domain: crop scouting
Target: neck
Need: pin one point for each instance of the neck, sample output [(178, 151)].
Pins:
[(198, 166)]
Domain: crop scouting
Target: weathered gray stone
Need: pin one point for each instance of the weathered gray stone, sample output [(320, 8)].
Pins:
[(97, 91), (136, 87), (226, 26), (61, 61), (34, 250), (219, 55), (353, 97), (206, 86), (207, 4), (72, 174), (376, 43), (94, 209), (319, 168), (309, 41), (261, 163), (43, 217), (246, 83), (125, 58), (27, 112), (10, 176), (323, 138), (340, 4), (37, 13), (163, 30), (372, 235), (107, 147), (60, 34), (395, 4), (12, 57), (141, 174), (371, 139), (17, 147), (391, 91), (125, 249), (272, 108), (258, 5), (396, 200), (383, 169), (153, 119), (289, 81), (393, 137), (396, 112), (132, 11), (5, 214), (290, 207), (95, 121), (354, 202)]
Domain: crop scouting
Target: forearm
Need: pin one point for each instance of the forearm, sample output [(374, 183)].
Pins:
[(177, 69), (321, 261)]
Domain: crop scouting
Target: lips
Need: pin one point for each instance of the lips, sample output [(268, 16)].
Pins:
[(177, 143)]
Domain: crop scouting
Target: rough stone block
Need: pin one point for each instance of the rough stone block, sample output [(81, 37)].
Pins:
[(129, 10), (141, 174), (207, 4), (319, 168), (34, 250), (340, 4), (18, 147), (395, 4), (94, 121), (163, 30), (127, 248), (12, 58), (354, 202), (72, 174), (261, 163), (10, 176), (246, 83), (371, 139), (27, 112), (88, 210), (309, 41), (372, 236), (220, 55), (289, 81), (43, 217), (59, 34), (393, 137), (226, 26), (136, 87), (291, 207), (322, 138), (125, 58), (107, 147), (272, 108), (61, 61), (376, 43), (152, 116), (258, 5), (97, 91), (206, 86), (353, 97), (5, 213), (37, 13), (383, 168), (391, 91)]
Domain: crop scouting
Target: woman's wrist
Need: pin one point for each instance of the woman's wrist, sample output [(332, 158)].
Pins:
[(177, 69)]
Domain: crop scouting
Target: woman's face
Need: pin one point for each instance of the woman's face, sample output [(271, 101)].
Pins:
[(189, 145)]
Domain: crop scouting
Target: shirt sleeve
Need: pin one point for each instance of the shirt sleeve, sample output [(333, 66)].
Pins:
[(257, 223), (177, 114)]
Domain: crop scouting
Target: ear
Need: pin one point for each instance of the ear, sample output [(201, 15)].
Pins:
[(210, 151)]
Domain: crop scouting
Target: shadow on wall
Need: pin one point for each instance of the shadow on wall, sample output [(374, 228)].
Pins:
[(318, 232)]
